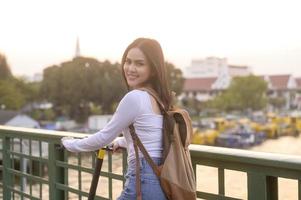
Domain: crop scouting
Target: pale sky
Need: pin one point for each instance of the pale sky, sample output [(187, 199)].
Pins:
[(262, 34)]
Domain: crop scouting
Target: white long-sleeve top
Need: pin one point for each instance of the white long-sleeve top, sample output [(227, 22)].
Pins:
[(136, 108)]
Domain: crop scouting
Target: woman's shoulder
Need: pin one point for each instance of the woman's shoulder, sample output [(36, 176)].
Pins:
[(135, 94)]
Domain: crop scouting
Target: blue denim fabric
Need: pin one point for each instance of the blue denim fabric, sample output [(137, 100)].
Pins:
[(150, 185)]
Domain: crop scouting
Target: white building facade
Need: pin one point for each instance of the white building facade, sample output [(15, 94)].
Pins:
[(203, 71)]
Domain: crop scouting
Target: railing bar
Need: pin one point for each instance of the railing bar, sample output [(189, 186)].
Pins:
[(65, 173), (22, 163), (12, 142), (13, 149), (40, 149), (109, 177), (221, 181), (22, 194), (79, 174), (21, 146), (44, 160), (73, 190), (7, 163), (210, 196), (30, 165), (75, 167), (20, 166), (124, 166), (30, 146), (30, 172), (299, 189), (88, 170), (31, 177)]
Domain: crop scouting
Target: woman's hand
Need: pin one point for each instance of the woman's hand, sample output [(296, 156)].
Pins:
[(115, 146), (64, 141)]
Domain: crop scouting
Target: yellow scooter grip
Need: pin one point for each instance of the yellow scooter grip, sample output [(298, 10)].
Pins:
[(101, 154)]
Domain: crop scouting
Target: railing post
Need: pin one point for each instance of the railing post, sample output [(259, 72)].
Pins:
[(7, 178), (272, 188), (256, 186), (56, 174), (221, 181), (299, 189)]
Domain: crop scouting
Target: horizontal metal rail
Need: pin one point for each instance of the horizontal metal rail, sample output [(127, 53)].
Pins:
[(32, 167)]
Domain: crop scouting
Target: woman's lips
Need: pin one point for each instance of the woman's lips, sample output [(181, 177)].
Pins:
[(132, 77)]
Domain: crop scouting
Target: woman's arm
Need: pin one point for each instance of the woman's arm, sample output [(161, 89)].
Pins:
[(128, 109)]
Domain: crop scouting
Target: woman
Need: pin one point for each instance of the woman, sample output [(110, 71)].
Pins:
[(142, 66)]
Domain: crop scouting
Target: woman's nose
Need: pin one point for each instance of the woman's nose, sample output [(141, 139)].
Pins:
[(131, 67)]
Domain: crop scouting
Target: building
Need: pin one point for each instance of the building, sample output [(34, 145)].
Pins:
[(298, 95), (201, 88), (13, 118), (204, 78), (214, 67), (283, 85)]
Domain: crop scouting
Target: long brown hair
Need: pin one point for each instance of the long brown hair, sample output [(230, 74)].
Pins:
[(154, 55)]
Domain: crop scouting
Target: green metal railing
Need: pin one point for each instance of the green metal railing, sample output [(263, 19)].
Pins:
[(34, 168)]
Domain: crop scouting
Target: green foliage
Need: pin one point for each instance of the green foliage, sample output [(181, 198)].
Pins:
[(5, 72), (95, 109), (193, 106), (45, 115), (14, 92), (277, 102), (175, 78), (11, 97), (243, 93), (74, 85)]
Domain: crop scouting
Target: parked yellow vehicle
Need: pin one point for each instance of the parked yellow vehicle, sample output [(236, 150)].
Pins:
[(266, 124), (286, 125), (198, 137), (258, 126), (208, 131), (296, 122), (210, 136), (291, 125)]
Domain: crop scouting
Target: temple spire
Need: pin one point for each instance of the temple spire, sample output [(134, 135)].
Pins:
[(77, 48)]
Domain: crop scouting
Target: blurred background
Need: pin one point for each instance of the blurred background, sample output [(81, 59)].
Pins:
[(234, 65)]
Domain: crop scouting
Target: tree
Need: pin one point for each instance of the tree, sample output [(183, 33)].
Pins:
[(10, 96), (175, 78), (5, 72), (75, 86), (277, 102), (243, 93)]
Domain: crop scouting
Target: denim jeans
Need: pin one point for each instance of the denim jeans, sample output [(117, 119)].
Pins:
[(150, 185)]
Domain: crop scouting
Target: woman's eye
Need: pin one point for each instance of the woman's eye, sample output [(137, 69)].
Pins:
[(140, 64), (127, 62)]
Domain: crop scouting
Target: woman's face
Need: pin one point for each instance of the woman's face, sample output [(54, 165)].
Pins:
[(136, 69)]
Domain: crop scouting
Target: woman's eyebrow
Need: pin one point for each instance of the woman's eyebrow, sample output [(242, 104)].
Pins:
[(136, 60)]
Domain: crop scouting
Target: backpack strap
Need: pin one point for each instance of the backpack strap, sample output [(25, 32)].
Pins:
[(143, 150), (137, 143), (138, 180), (154, 94)]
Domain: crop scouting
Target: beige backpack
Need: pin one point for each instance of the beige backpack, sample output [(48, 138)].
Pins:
[(176, 174)]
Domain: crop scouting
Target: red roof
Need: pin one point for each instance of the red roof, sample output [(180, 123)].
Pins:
[(279, 81), (238, 66), (198, 84)]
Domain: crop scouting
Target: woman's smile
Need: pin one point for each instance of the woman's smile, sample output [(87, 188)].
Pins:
[(136, 68)]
